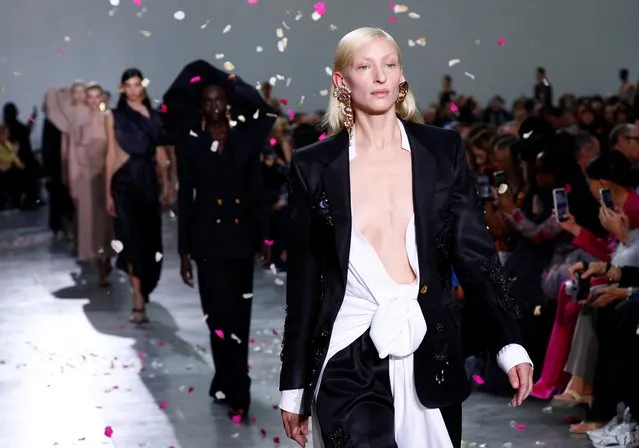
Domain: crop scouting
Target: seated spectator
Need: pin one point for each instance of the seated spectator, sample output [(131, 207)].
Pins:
[(12, 172)]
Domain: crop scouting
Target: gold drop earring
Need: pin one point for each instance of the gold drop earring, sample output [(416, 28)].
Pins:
[(343, 96)]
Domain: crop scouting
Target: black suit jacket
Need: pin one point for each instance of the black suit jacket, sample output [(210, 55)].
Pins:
[(451, 233), (222, 211)]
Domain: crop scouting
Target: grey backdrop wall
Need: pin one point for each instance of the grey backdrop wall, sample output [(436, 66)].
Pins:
[(582, 43)]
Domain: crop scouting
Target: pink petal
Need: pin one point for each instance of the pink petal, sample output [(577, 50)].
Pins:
[(252, 2), (276, 440), (220, 334), (322, 136), (275, 332), (141, 355), (137, 2), (392, 5), (268, 242), (284, 101), (392, 20), (252, 341), (263, 432), (454, 108), (191, 389), (237, 419), (108, 431), (501, 41), (272, 141), (163, 404), (195, 79), (320, 8), (478, 379), (164, 108), (291, 114), (520, 427)]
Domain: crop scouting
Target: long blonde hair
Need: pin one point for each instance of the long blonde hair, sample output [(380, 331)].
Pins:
[(346, 48)]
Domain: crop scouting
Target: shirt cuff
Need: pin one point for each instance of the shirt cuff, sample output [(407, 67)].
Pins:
[(512, 355), (291, 400)]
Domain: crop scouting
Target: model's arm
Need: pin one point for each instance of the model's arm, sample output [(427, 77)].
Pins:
[(110, 155), (302, 289), (477, 265), (184, 199)]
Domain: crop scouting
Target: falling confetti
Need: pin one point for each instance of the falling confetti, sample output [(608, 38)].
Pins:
[(205, 24), (520, 427), (252, 2), (527, 134), (537, 311), (279, 282), (137, 2), (413, 15), (226, 29), (328, 71), (145, 33), (108, 431), (281, 44), (158, 256), (478, 379), (146, 82), (117, 246), (192, 133), (320, 10), (470, 75), (205, 317), (268, 242), (453, 108), (114, 2), (219, 334), (291, 114), (236, 338), (247, 295), (237, 419), (399, 9), (215, 145), (411, 43), (256, 114), (323, 92), (279, 33), (195, 79), (392, 20), (163, 404), (179, 15), (220, 395), (219, 55), (421, 41), (453, 62), (272, 141), (259, 49), (67, 39), (322, 136), (501, 41), (229, 66)]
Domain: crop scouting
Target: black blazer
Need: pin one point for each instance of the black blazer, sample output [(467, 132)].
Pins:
[(451, 233), (222, 208)]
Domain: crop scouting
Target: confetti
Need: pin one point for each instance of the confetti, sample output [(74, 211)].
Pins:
[(281, 44), (537, 311), (219, 334), (114, 2), (220, 395), (146, 82), (236, 338), (145, 33), (328, 71), (322, 136), (67, 39), (158, 256), (237, 419), (527, 134), (399, 9), (190, 389), (108, 431), (392, 20), (195, 79), (478, 379), (470, 75), (453, 108), (163, 404), (256, 114), (320, 10), (137, 2), (229, 66), (272, 141), (219, 55), (323, 92), (279, 33), (205, 24), (252, 2), (520, 427), (215, 145), (247, 295), (286, 26), (226, 29), (453, 62), (411, 43), (501, 41), (332, 27), (206, 316), (102, 107), (421, 41), (179, 15), (259, 49), (276, 440), (232, 123), (279, 282), (192, 133), (241, 118), (291, 114), (413, 15), (284, 101), (117, 246)]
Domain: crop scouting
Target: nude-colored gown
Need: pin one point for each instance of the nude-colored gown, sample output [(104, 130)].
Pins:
[(86, 168)]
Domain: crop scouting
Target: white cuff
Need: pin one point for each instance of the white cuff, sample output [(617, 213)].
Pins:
[(291, 401), (512, 355)]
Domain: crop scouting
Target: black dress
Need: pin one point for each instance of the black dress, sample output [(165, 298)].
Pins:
[(136, 195)]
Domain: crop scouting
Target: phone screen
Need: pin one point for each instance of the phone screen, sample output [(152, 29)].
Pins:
[(483, 185), (606, 198), (561, 202), (500, 178)]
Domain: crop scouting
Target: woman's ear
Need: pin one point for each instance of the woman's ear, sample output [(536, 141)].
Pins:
[(338, 80)]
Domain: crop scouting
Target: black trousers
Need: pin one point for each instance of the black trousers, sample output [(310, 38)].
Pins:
[(223, 285), (354, 404)]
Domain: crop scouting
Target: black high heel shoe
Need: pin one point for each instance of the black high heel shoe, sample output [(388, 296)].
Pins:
[(138, 316)]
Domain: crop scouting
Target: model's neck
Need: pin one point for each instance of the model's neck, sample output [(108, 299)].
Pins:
[(376, 133)]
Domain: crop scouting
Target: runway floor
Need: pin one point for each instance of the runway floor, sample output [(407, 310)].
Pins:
[(71, 365)]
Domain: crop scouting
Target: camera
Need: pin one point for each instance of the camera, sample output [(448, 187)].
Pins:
[(579, 288)]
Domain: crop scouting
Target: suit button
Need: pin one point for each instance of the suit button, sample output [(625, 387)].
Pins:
[(237, 221), (218, 220), (219, 201), (424, 289), (237, 201)]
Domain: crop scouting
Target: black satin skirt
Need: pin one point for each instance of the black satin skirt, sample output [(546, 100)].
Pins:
[(138, 225), (354, 404)]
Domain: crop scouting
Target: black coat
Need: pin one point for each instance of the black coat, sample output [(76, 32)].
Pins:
[(450, 233)]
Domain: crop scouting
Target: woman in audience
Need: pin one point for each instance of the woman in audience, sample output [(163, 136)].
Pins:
[(12, 179)]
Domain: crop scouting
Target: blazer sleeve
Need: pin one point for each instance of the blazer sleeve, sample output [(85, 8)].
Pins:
[(186, 190), (475, 259), (260, 210), (302, 286)]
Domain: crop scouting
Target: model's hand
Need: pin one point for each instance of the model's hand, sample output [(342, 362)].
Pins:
[(110, 206), (186, 271), (520, 378), (296, 427)]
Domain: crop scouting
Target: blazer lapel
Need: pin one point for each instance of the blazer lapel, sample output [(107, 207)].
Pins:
[(337, 186), (424, 166)]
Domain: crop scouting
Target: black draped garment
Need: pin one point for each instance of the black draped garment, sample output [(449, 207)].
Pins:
[(135, 190)]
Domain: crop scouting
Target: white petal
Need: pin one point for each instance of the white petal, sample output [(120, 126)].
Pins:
[(158, 256), (215, 145), (117, 246), (226, 29), (179, 15)]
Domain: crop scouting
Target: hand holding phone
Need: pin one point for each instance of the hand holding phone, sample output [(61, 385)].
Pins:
[(606, 198), (560, 199)]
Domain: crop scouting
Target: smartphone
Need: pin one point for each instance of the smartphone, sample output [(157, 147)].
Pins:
[(560, 199), (606, 198), (483, 186), (500, 178)]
